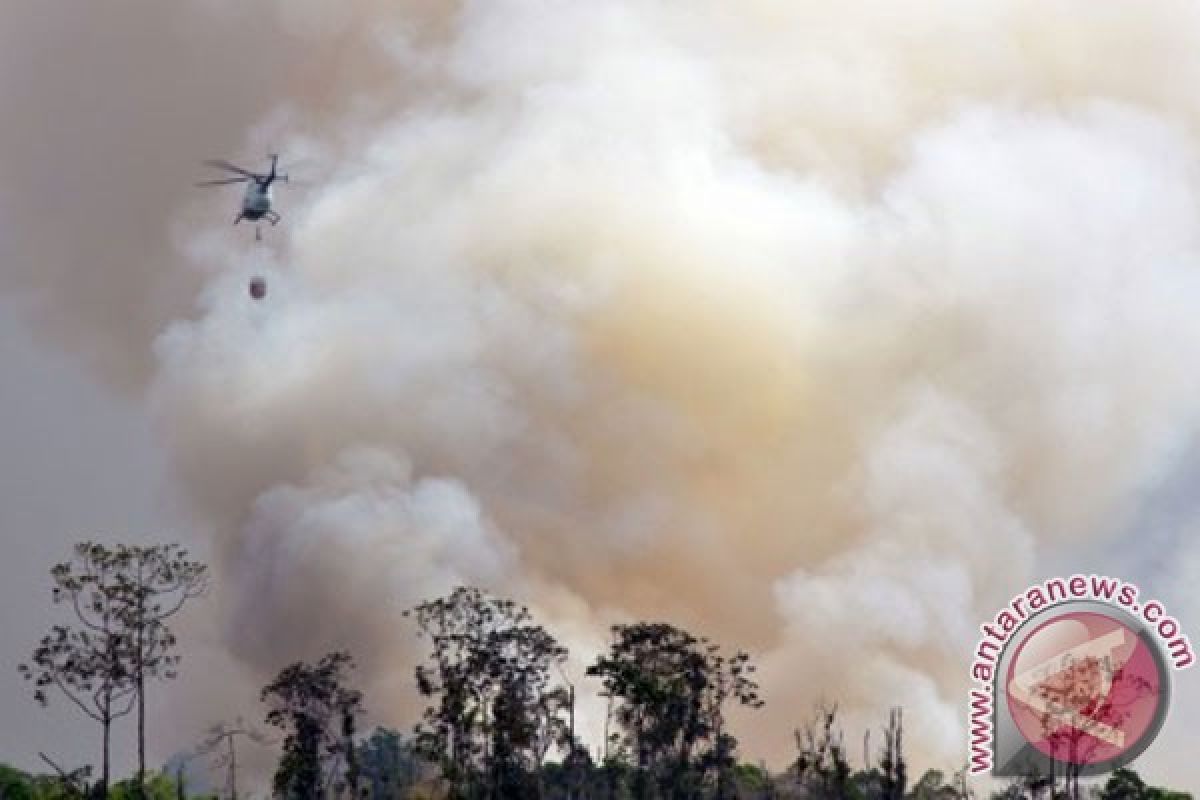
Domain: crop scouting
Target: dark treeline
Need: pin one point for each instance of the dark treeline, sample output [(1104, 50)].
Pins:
[(499, 723)]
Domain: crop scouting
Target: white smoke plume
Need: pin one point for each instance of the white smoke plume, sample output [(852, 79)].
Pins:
[(815, 327)]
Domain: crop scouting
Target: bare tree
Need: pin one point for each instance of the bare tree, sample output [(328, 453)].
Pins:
[(221, 744), (74, 782), (821, 767), (893, 769)]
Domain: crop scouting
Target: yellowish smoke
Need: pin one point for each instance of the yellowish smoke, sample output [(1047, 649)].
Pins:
[(810, 326)]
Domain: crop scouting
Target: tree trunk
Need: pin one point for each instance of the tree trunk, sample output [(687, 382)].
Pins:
[(104, 769), (352, 769), (573, 769), (140, 783), (723, 777), (642, 782), (141, 704), (607, 723), (232, 769)]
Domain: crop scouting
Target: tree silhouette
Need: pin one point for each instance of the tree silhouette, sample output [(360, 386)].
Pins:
[(822, 767), (314, 708), (893, 769), (389, 763), (1126, 784), (672, 689), (93, 664), (494, 707), (153, 583)]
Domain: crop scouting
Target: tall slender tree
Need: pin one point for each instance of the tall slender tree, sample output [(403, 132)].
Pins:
[(892, 766), (89, 671), (92, 663), (153, 584)]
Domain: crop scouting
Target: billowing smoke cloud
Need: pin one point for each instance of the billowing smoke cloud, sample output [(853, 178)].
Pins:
[(814, 327)]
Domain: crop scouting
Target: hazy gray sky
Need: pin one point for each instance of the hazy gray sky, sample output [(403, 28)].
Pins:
[(79, 461), (109, 110)]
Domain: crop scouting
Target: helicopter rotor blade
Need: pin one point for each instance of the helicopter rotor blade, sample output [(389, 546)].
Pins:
[(221, 163), (222, 181)]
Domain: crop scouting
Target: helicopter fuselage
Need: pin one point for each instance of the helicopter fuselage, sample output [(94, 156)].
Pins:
[(256, 203)]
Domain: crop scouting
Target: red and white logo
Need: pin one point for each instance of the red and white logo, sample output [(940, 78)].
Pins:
[(1083, 688)]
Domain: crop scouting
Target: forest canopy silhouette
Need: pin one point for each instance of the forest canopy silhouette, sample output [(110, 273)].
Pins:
[(499, 720)]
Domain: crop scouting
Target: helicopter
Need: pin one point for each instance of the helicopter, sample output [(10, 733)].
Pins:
[(256, 203)]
